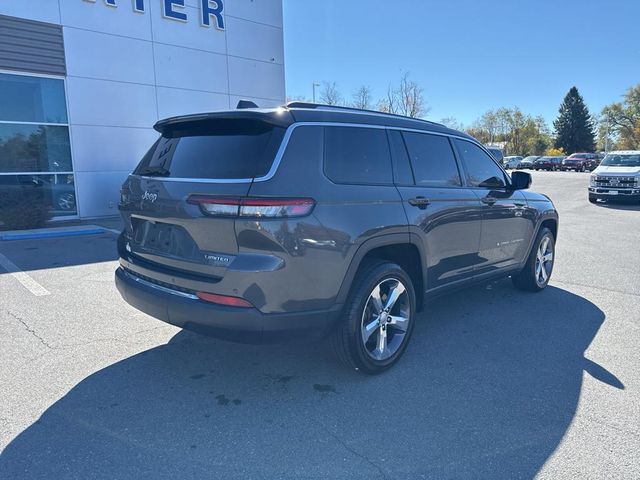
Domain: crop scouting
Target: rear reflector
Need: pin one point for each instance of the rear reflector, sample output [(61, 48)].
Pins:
[(224, 300), (253, 207)]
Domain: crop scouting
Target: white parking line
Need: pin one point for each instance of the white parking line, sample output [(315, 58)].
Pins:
[(26, 281)]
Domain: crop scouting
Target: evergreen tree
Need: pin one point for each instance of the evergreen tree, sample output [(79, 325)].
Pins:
[(574, 126)]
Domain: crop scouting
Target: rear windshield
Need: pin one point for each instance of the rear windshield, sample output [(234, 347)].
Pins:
[(229, 149)]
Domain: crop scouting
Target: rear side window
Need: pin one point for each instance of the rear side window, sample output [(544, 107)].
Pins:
[(357, 155), (482, 170), (229, 149), (432, 159)]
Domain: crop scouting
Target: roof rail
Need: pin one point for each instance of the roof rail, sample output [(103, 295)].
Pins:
[(354, 109)]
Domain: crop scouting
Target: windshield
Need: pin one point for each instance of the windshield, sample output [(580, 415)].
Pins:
[(622, 160), (577, 156)]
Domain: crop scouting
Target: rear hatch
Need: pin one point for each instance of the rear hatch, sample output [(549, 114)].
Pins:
[(216, 155)]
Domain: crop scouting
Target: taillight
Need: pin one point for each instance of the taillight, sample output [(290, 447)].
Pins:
[(255, 207), (224, 300)]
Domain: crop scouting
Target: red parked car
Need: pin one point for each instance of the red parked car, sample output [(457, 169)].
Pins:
[(580, 162)]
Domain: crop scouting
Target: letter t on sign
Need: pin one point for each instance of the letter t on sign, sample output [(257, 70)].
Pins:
[(212, 8)]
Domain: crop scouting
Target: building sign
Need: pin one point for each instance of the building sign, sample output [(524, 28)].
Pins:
[(210, 10)]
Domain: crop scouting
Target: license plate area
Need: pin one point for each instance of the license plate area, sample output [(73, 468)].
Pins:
[(164, 239)]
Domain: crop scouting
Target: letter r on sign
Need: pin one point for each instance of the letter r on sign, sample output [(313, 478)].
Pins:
[(212, 8)]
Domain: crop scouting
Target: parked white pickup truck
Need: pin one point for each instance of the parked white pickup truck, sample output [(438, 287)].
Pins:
[(617, 177)]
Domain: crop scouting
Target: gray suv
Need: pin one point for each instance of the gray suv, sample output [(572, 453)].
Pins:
[(258, 225)]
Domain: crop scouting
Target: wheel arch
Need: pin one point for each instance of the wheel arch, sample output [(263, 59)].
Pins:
[(550, 223), (403, 249)]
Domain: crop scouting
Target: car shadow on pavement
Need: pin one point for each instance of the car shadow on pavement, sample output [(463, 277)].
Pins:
[(487, 389), (620, 206)]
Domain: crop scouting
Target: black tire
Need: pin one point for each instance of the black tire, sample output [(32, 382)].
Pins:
[(526, 279), (347, 340)]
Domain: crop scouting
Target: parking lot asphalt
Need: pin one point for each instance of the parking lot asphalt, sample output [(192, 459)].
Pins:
[(496, 383)]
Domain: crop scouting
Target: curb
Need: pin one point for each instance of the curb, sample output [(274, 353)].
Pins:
[(53, 232)]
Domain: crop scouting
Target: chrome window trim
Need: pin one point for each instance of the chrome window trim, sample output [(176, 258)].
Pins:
[(285, 142)]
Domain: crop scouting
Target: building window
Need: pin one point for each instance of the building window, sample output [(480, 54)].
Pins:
[(35, 150)]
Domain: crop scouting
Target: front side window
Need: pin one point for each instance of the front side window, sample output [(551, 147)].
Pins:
[(432, 159), (357, 155), (482, 171)]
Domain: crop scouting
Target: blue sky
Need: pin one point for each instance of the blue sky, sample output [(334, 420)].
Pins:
[(468, 55)]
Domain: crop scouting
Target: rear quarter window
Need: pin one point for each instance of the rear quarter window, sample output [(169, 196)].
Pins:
[(229, 149), (357, 155)]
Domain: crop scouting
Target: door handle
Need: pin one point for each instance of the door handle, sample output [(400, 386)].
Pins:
[(489, 200), (420, 202)]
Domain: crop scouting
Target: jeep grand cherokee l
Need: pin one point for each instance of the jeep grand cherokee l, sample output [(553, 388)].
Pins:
[(257, 225), (617, 177)]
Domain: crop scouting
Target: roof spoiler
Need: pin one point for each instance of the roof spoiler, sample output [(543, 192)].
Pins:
[(282, 119)]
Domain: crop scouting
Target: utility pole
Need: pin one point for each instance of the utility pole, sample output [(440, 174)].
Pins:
[(314, 85)]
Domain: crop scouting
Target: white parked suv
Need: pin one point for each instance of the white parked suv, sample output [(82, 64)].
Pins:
[(617, 177)]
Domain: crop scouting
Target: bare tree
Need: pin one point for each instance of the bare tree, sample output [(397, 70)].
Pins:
[(362, 98), (389, 104), (407, 99), (452, 123), (330, 95), (411, 98)]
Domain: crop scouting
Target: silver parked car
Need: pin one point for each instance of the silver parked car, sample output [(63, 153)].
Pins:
[(527, 162), (511, 162)]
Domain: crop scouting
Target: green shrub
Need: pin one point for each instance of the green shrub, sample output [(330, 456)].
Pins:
[(23, 207)]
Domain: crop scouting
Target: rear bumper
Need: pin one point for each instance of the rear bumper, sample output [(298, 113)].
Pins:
[(244, 325)]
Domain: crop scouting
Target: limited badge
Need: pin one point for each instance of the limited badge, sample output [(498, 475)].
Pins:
[(218, 260)]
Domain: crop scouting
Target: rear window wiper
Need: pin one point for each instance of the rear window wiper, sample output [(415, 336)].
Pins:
[(154, 172)]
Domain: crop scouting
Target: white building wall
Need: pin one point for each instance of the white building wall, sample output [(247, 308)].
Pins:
[(126, 70)]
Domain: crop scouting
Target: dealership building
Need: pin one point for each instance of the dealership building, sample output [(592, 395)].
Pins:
[(82, 83)]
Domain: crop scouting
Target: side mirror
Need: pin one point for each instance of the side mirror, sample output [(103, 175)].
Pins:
[(520, 180)]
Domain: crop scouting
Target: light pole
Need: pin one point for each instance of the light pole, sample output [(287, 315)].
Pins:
[(314, 85)]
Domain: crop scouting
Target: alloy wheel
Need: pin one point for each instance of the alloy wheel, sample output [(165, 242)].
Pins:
[(385, 319), (544, 261)]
